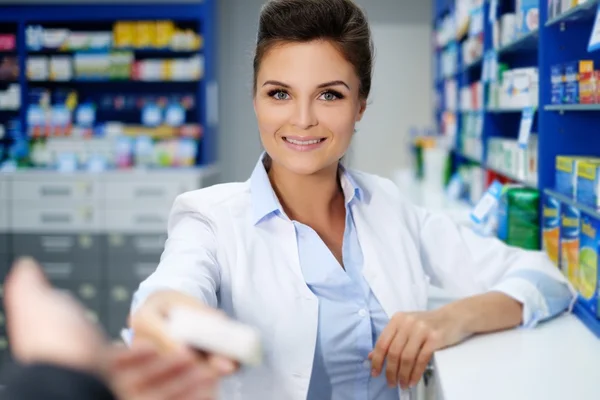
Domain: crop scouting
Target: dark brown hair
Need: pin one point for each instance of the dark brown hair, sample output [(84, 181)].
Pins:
[(340, 21)]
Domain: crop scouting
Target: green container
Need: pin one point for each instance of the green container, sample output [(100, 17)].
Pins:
[(518, 219)]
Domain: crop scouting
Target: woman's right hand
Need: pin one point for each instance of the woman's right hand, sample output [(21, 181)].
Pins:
[(149, 327)]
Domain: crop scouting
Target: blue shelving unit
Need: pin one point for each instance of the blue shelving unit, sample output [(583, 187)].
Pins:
[(201, 16), (563, 129)]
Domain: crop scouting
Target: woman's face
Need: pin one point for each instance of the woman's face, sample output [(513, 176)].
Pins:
[(307, 103)]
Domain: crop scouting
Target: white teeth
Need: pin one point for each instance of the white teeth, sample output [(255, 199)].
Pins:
[(303, 142)]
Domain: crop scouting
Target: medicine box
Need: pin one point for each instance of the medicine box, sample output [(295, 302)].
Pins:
[(566, 174), (551, 228), (587, 82), (588, 263), (571, 83), (569, 243), (558, 84), (588, 183)]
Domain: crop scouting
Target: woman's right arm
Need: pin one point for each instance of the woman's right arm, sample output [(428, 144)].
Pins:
[(188, 264), (188, 275)]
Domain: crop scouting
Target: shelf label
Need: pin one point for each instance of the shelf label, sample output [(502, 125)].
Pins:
[(487, 203), (525, 127), (493, 15)]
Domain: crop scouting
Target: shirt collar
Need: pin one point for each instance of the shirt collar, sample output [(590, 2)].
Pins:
[(265, 201)]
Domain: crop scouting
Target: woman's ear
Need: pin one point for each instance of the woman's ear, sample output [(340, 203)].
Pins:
[(362, 108)]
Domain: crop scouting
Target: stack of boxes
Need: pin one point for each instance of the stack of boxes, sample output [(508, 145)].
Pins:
[(575, 83), (508, 158), (572, 233)]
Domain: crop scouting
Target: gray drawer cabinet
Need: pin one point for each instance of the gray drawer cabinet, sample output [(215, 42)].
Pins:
[(31, 216), (44, 186), (4, 186), (77, 246)]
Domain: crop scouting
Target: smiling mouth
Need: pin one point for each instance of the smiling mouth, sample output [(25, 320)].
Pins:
[(304, 142)]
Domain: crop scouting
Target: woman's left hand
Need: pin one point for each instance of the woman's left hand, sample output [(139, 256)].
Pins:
[(408, 342)]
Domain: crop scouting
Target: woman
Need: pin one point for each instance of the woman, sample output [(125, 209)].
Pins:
[(327, 263)]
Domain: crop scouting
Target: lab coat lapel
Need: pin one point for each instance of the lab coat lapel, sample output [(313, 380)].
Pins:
[(387, 268)]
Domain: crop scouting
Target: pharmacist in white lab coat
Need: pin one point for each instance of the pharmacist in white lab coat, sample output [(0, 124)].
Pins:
[(328, 263)]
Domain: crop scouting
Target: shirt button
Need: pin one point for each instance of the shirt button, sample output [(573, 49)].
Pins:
[(362, 312)]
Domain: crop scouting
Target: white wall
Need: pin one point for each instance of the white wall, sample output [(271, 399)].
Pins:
[(401, 94)]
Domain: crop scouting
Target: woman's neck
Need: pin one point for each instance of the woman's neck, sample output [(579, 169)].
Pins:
[(308, 198)]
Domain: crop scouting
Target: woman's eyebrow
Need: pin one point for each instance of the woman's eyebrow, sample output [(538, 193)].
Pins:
[(322, 85), (333, 83), (276, 83)]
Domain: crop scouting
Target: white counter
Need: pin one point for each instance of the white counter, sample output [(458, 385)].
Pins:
[(559, 360)]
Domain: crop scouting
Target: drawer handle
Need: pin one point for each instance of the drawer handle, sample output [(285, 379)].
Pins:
[(149, 192), (56, 218), (57, 243), (62, 191), (58, 269)]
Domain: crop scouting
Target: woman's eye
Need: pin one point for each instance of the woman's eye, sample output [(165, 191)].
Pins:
[(280, 95), (329, 96)]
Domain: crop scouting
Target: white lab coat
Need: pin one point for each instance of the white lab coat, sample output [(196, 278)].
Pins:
[(216, 253)]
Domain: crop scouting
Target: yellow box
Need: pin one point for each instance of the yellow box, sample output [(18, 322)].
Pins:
[(124, 33), (145, 34), (164, 33)]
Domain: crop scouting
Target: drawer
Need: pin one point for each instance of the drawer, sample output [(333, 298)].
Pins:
[(4, 187), (45, 187), (69, 245), (85, 217), (119, 244), (136, 220), (158, 188), (4, 216), (134, 268), (57, 267), (4, 242), (118, 304), (5, 265)]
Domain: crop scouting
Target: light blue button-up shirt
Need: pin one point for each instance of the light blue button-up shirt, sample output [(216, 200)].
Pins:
[(350, 317)]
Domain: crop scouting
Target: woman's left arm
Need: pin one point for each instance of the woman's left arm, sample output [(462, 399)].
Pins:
[(500, 287)]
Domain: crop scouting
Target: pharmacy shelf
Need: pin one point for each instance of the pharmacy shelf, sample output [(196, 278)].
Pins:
[(112, 82), (586, 10), (563, 129), (199, 16), (149, 52), (512, 177), (528, 42), (567, 200), (589, 319), (573, 107)]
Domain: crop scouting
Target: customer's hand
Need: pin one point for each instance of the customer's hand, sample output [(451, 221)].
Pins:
[(408, 342), (149, 325), (46, 326), (145, 373)]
